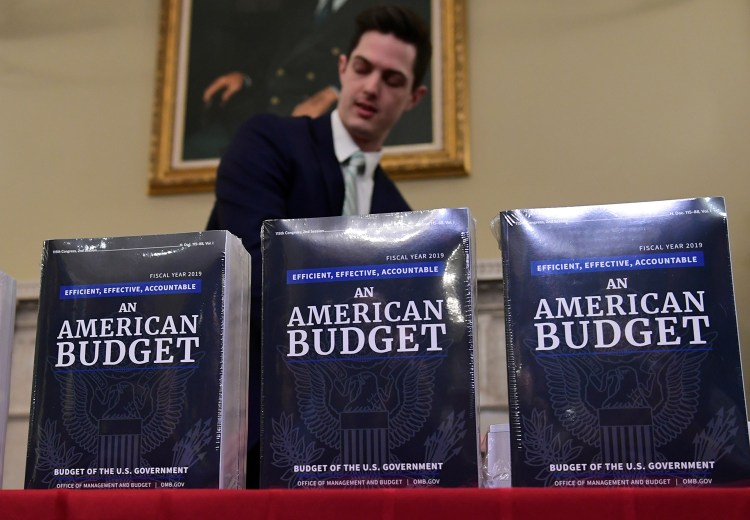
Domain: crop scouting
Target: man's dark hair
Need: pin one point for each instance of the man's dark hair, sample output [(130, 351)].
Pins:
[(404, 24)]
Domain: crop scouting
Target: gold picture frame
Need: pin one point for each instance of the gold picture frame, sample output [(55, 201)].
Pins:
[(446, 155)]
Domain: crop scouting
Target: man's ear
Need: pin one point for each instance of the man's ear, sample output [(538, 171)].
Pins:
[(416, 96), (342, 65)]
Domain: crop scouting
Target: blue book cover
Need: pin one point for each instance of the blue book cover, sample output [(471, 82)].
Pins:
[(140, 376), (368, 352), (623, 353)]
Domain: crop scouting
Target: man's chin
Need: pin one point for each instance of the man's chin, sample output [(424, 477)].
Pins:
[(366, 132), (362, 133)]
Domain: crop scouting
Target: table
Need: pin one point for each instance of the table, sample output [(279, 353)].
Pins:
[(380, 504)]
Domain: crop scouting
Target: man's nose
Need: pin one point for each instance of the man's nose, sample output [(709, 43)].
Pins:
[(372, 84)]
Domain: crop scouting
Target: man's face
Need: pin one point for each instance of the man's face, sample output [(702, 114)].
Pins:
[(376, 87)]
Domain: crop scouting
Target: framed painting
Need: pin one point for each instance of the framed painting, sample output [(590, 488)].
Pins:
[(220, 61)]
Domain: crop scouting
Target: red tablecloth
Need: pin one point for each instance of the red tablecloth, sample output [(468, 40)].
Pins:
[(461, 504)]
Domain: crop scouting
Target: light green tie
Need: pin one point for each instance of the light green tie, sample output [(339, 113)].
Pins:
[(354, 167)]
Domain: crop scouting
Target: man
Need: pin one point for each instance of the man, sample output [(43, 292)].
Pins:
[(295, 167)]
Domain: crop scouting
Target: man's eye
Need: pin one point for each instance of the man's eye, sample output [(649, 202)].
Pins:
[(361, 68), (395, 80)]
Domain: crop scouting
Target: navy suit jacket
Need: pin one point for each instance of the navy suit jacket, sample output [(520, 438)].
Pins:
[(284, 167), (281, 168)]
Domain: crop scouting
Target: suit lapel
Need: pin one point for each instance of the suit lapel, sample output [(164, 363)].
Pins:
[(379, 202), (325, 159)]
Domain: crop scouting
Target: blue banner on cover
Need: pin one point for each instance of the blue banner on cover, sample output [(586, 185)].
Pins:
[(109, 290), (617, 263), (365, 272)]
